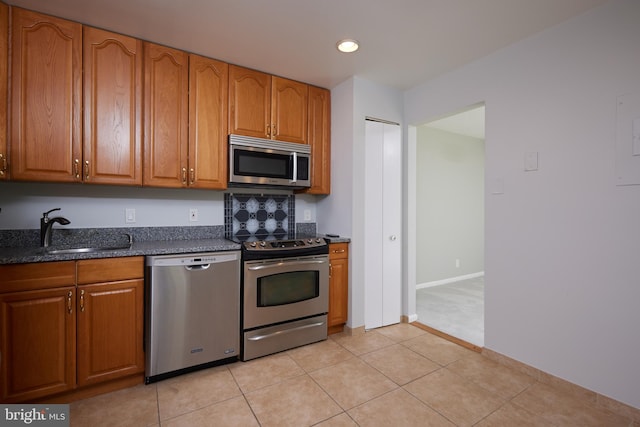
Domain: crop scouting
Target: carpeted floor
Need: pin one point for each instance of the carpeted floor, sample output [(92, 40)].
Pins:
[(454, 308)]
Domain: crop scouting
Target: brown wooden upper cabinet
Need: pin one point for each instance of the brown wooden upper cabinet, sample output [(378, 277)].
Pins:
[(185, 119), (208, 101), (266, 106), (166, 120), (4, 73), (112, 148), (320, 140), (47, 139), (46, 86)]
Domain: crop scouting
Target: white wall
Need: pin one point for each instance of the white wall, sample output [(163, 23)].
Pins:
[(450, 205), (562, 243), (89, 206), (342, 212)]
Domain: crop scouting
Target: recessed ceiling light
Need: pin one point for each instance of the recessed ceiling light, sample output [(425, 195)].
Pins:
[(347, 45)]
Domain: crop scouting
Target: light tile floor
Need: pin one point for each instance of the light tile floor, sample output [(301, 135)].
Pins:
[(454, 308), (399, 375)]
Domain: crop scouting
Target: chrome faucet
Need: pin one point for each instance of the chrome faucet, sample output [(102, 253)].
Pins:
[(46, 224)]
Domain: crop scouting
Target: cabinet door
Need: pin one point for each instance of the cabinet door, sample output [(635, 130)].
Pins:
[(289, 110), (46, 86), (112, 107), (4, 63), (320, 140), (338, 287), (249, 102), (110, 330), (166, 85), (37, 343), (208, 103)]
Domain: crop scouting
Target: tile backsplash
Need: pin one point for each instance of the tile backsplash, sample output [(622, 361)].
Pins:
[(259, 215)]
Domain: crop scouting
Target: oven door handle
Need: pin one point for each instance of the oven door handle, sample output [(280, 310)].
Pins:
[(287, 263), (297, 328)]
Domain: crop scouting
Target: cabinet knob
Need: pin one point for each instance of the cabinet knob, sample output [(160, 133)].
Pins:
[(392, 238)]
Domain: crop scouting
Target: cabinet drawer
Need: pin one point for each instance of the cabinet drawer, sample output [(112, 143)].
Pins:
[(110, 269), (43, 275), (338, 250)]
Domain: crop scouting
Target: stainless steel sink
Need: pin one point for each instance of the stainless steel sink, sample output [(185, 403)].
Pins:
[(85, 250)]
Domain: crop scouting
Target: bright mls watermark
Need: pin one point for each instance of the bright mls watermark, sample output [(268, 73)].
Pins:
[(34, 415)]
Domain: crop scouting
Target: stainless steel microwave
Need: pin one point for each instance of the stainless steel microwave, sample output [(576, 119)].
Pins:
[(258, 161)]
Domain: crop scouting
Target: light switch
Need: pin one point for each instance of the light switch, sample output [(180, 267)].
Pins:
[(497, 186), (531, 161)]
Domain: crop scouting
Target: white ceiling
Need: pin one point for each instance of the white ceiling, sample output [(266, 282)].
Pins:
[(403, 42)]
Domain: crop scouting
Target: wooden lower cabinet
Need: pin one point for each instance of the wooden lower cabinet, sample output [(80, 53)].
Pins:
[(63, 339), (110, 331), (338, 287), (38, 343)]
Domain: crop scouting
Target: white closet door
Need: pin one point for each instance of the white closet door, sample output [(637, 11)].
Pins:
[(383, 224)]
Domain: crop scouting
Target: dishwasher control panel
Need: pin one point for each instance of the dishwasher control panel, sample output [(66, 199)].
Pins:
[(191, 259)]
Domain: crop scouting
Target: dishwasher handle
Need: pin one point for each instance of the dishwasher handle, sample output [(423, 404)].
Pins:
[(197, 267)]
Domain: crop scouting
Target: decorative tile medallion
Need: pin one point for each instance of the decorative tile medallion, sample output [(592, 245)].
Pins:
[(259, 215)]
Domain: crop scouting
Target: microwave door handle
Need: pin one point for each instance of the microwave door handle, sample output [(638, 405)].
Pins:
[(294, 178)]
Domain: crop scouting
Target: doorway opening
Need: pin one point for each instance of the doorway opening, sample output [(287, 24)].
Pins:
[(450, 225)]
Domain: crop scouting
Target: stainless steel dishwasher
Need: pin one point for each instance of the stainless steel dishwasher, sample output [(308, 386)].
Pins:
[(192, 312)]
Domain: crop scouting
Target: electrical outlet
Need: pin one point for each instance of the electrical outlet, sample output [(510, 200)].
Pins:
[(307, 215), (130, 215), (193, 215)]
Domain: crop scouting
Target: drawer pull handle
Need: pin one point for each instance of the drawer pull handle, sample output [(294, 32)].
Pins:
[(284, 331), (69, 306)]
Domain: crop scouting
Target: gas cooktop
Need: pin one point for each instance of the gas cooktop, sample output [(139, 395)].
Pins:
[(271, 242), (270, 247)]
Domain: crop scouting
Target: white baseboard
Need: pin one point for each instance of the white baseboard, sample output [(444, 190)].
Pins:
[(449, 280), (412, 318)]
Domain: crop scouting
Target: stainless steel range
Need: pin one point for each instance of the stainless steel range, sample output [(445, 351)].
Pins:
[(285, 294)]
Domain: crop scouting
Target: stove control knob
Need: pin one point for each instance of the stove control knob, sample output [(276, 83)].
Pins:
[(252, 244), (263, 244), (310, 241), (318, 240)]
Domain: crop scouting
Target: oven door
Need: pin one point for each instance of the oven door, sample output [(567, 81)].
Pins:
[(284, 289)]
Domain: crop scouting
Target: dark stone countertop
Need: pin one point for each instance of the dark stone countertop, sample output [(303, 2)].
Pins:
[(22, 246), (340, 239), (19, 255)]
